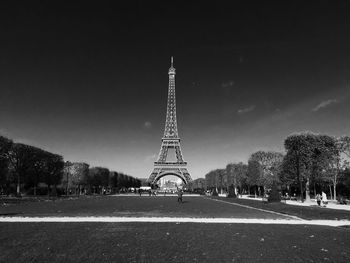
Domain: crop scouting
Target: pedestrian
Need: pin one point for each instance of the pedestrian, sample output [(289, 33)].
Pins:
[(140, 191), (318, 199), (179, 196), (324, 199)]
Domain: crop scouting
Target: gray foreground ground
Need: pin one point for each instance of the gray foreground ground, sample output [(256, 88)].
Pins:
[(166, 242)]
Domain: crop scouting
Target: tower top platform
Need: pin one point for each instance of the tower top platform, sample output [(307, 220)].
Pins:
[(172, 69)]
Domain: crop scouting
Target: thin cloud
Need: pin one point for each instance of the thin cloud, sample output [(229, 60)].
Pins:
[(150, 158), (228, 84), (246, 110), (147, 124), (324, 104), (227, 87)]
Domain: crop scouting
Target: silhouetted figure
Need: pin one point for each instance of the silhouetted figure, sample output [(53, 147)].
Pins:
[(179, 196), (324, 199), (318, 199)]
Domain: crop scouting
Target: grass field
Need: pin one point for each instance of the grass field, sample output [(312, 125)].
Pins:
[(173, 241), (132, 206)]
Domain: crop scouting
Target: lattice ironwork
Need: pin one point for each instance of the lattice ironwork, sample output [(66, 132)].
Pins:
[(170, 140)]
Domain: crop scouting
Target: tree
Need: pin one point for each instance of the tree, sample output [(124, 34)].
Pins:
[(236, 176), (114, 179), (253, 174), (307, 155), (80, 174), (36, 171), (98, 177), (121, 179), (211, 179), (288, 172), (274, 194), (3, 173), (31, 165), (67, 176), (216, 178), (335, 163), (221, 174), (54, 171), (20, 158), (344, 184), (76, 176), (270, 165), (343, 144), (137, 183), (5, 146), (198, 184)]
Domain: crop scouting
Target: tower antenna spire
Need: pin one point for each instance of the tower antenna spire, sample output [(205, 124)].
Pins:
[(172, 60)]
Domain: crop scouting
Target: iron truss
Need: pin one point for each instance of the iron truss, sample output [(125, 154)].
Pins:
[(170, 140)]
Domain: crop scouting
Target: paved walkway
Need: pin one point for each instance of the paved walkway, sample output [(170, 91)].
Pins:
[(331, 204), (113, 219), (158, 194)]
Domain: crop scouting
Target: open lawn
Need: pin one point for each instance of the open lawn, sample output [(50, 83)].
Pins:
[(172, 241), (133, 206)]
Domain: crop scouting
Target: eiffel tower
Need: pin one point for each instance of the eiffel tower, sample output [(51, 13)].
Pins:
[(170, 140)]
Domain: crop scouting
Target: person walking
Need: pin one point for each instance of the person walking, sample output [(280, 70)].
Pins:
[(318, 199), (179, 196), (324, 199)]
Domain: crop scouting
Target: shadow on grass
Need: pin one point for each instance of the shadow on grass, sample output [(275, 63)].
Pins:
[(9, 214)]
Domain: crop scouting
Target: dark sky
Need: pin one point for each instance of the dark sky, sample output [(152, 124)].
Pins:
[(89, 80)]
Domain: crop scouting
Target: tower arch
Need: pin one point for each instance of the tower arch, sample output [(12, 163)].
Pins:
[(160, 176)]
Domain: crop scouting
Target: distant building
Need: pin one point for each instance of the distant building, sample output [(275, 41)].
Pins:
[(169, 183)]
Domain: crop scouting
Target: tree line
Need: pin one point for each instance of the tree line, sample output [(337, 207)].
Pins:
[(310, 164), (28, 169)]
